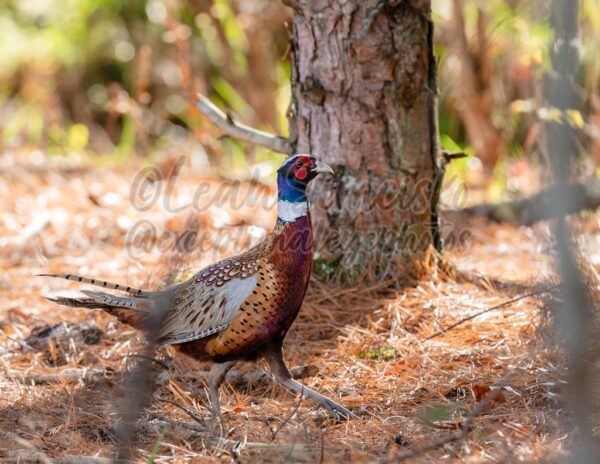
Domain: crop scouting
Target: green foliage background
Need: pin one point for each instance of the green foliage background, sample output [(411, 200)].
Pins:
[(117, 78)]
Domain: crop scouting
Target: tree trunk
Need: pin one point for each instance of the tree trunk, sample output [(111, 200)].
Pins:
[(364, 101)]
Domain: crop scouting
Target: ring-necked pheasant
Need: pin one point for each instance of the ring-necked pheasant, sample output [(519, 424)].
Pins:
[(239, 308)]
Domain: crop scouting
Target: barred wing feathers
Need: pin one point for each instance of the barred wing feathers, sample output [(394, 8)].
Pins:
[(209, 301)]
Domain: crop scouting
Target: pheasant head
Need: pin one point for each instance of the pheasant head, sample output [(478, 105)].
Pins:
[(293, 177)]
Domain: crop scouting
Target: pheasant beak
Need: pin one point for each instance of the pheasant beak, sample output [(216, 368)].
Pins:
[(322, 167)]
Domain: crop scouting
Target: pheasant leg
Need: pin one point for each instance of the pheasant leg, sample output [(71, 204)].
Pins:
[(282, 374), (217, 374)]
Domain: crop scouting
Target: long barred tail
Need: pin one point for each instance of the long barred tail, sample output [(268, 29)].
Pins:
[(124, 311), (99, 283), (76, 302), (133, 310), (105, 300)]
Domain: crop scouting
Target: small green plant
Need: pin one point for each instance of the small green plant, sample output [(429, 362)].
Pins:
[(323, 268), (156, 446), (438, 413), (378, 354)]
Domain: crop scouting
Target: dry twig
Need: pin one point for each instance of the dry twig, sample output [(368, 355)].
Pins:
[(493, 308), (226, 123), (185, 409)]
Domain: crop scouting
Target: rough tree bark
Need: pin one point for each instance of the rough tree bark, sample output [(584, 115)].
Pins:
[(364, 99)]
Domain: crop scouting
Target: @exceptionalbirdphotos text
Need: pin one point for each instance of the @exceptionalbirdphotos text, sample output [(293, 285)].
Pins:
[(144, 236)]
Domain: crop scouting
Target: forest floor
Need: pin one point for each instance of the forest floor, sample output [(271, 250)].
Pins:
[(485, 390)]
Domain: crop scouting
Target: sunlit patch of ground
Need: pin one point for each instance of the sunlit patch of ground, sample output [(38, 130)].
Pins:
[(370, 346)]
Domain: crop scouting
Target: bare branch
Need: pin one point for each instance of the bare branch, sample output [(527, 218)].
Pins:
[(545, 204), (449, 156), (492, 308), (229, 126)]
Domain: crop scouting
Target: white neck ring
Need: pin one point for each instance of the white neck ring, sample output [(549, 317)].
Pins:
[(289, 211)]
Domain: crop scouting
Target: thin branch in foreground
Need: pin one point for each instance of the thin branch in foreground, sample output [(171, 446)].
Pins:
[(492, 308), (575, 319), (229, 126), (133, 403)]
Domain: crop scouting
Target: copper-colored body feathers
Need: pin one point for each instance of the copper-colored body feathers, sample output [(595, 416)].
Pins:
[(229, 309)]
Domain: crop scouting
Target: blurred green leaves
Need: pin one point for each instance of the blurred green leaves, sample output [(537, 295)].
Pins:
[(119, 76)]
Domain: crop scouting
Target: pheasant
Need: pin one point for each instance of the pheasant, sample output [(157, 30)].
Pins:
[(236, 309)]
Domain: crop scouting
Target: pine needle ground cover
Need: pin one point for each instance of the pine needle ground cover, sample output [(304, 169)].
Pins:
[(485, 389)]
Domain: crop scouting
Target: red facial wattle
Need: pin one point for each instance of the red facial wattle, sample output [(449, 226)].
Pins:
[(300, 173)]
